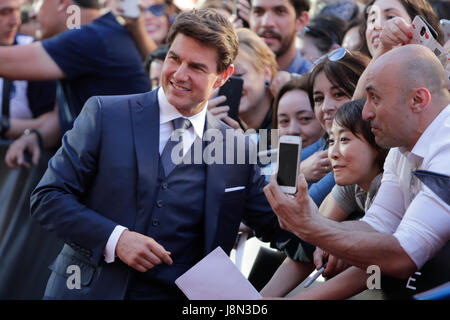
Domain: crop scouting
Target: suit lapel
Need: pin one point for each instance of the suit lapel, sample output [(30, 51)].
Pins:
[(215, 187), (145, 115)]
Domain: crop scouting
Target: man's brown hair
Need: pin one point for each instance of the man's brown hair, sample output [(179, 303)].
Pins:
[(211, 29)]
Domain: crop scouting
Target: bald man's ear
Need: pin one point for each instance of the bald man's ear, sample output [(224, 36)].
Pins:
[(419, 100)]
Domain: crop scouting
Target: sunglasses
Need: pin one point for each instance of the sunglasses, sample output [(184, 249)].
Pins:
[(157, 10), (335, 55)]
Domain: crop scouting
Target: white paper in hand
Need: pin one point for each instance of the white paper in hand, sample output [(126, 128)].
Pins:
[(215, 277)]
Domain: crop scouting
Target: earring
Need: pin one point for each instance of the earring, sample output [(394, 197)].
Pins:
[(267, 83)]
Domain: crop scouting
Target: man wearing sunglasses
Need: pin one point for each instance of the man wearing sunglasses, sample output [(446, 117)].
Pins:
[(98, 57)]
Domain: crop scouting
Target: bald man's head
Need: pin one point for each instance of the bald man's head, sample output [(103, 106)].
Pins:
[(415, 66), (406, 86)]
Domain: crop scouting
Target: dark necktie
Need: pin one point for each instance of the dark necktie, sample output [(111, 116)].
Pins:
[(168, 161)]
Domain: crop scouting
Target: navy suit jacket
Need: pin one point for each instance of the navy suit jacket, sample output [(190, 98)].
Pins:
[(105, 174)]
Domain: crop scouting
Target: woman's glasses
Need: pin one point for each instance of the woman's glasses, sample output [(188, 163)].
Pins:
[(335, 55), (157, 10)]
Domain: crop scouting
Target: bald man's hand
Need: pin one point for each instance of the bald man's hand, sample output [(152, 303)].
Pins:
[(294, 213)]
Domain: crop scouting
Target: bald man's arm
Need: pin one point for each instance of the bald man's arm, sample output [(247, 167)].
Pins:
[(28, 62)]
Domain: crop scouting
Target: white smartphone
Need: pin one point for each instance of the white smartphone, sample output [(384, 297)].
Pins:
[(130, 8), (424, 34), (289, 150)]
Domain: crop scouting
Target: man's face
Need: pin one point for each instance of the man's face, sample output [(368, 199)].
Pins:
[(189, 74), (51, 20), (275, 22), (9, 20), (386, 108)]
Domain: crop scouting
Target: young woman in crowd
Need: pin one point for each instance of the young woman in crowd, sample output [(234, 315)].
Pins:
[(357, 166), (323, 34), (378, 14), (331, 83), (256, 65)]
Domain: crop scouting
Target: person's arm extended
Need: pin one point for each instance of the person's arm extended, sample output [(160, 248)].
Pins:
[(345, 285), (330, 209), (355, 242), (28, 62), (286, 278), (143, 42), (18, 126)]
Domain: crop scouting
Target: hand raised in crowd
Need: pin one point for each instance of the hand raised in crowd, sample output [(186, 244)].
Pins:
[(15, 156), (279, 80), (334, 265), (221, 112), (243, 14), (396, 32), (141, 252), (316, 166), (294, 213)]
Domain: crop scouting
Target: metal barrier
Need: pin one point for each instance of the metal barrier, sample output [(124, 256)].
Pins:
[(26, 249)]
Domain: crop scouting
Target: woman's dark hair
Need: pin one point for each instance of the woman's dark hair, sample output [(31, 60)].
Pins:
[(343, 73), (349, 116), (159, 54), (325, 30), (414, 8), (298, 83)]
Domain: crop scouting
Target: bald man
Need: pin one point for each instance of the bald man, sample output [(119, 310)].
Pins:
[(408, 105)]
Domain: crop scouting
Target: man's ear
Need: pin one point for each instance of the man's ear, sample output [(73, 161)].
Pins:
[(223, 76), (63, 4), (420, 98), (301, 21)]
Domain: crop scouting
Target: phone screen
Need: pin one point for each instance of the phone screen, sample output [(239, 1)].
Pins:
[(287, 166)]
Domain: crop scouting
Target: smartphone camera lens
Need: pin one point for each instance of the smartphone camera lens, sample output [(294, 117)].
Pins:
[(422, 31)]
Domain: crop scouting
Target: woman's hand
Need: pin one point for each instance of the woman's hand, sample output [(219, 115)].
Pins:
[(396, 32), (316, 166)]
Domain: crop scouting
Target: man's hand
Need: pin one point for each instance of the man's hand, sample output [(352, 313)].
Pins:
[(15, 157), (294, 213), (141, 252), (316, 166), (221, 112), (334, 265)]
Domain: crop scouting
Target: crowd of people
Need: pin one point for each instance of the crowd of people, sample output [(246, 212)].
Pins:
[(372, 110)]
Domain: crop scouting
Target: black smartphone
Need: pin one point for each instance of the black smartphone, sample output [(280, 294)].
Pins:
[(232, 89)]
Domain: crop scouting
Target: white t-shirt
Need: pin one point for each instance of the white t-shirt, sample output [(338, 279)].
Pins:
[(404, 206)]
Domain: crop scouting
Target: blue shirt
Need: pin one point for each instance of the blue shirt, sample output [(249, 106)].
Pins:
[(100, 58), (299, 65)]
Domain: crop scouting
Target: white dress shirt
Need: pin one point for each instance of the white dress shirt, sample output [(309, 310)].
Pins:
[(407, 208), (167, 113)]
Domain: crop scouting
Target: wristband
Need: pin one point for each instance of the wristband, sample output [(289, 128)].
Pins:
[(38, 135)]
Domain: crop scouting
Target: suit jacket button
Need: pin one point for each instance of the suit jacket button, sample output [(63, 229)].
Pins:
[(155, 222), (159, 203), (165, 185)]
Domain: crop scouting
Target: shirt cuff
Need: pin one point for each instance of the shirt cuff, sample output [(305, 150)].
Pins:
[(110, 249)]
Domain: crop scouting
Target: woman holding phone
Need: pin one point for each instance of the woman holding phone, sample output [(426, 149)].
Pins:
[(256, 65), (357, 166)]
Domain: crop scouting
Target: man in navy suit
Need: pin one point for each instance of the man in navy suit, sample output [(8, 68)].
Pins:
[(132, 221)]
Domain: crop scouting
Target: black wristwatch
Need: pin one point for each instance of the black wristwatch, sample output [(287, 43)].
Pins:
[(5, 124)]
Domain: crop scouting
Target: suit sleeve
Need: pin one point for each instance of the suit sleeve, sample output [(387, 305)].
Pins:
[(57, 201)]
